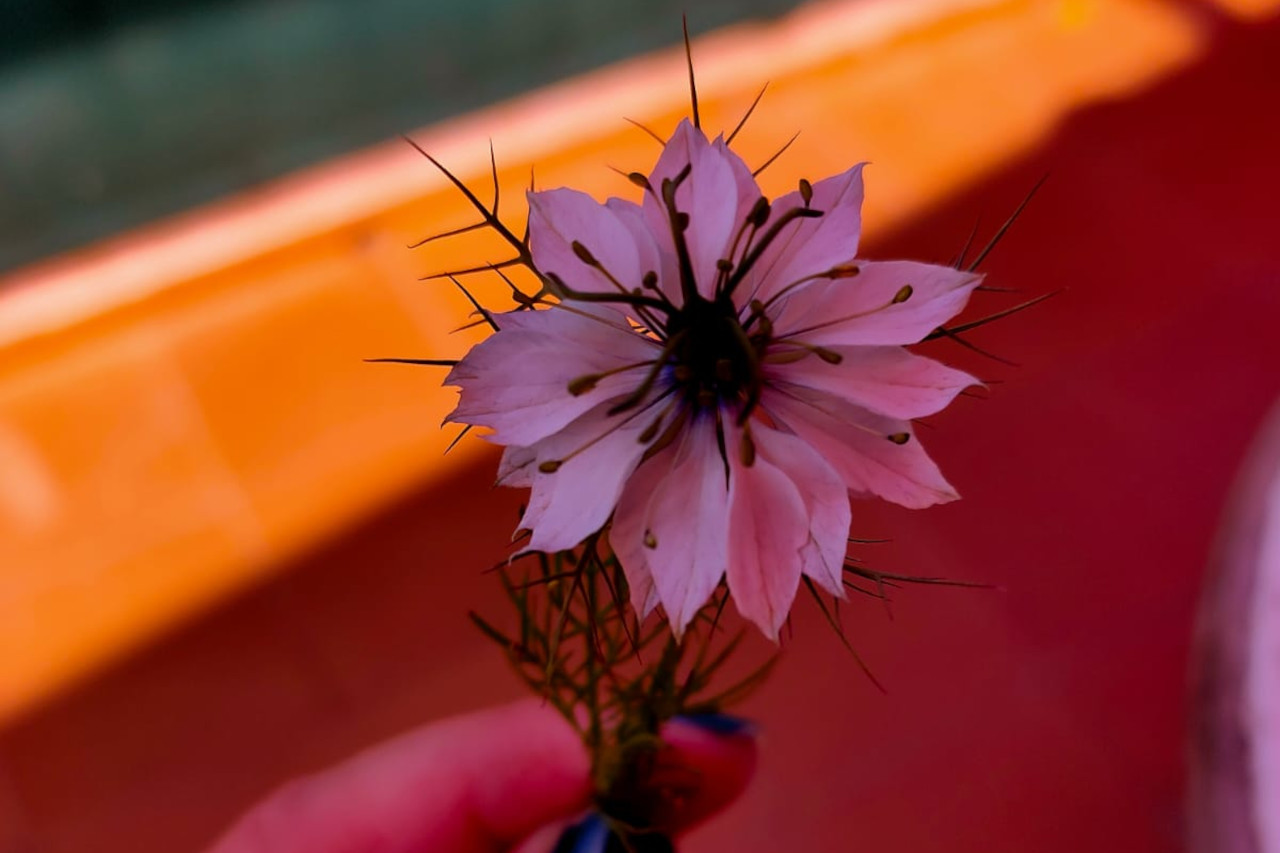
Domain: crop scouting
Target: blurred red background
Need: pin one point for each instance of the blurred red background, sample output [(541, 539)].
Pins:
[(1046, 716)]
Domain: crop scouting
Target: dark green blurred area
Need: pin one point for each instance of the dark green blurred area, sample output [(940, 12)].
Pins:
[(116, 113)]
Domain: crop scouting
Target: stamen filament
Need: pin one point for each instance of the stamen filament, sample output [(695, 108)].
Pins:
[(843, 271), (586, 382), (659, 363), (679, 221), (826, 323), (584, 254), (631, 299), (550, 466), (769, 236)]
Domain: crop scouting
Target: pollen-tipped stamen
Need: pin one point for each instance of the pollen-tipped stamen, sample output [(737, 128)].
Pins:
[(633, 399), (583, 384), (747, 450), (584, 254), (673, 431), (679, 224), (755, 385), (753, 222), (550, 466), (559, 287), (769, 236), (901, 295), (759, 309)]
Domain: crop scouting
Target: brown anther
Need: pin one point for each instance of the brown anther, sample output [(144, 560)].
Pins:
[(550, 466), (650, 541), (806, 191), (759, 214), (584, 254), (903, 294), (650, 431), (583, 384), (682, 220), (640, 180), (899, 437), (843, 271), (650, 280), (682, 373), (724, 265), (829, 356)]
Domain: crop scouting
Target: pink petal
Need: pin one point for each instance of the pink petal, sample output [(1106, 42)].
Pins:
[(631, 217), (709, 195), (810, 246), (516, 382), (515, 468), (748, 190), (559, 218), (768, 527), (888, 302), (855, 442), (826, 501), (887, 380), (626, 532), (597, 453), (679, 502)]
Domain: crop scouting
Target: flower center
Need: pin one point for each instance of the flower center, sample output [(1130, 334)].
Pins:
[(714, 361)]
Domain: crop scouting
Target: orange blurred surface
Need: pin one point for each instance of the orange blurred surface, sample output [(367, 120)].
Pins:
[(1046, 718), (185, 409)]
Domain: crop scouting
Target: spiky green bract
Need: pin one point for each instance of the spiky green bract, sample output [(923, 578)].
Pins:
[(575, 641)]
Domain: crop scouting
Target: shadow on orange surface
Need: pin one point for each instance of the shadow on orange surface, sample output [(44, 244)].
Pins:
[(1046, 717)]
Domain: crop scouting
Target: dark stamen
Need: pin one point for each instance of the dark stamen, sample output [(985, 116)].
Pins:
[(769, 236), (633, 399), (748, 449), (625, 298), (670, 434), (756, 384), (679, 222)]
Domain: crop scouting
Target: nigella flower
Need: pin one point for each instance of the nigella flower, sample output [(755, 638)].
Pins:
[(718, 375)]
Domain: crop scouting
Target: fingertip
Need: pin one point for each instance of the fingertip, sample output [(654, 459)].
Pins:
[(718, 760)]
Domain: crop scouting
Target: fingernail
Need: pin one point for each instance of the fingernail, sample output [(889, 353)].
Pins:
[(724, 725), (589, 835)]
